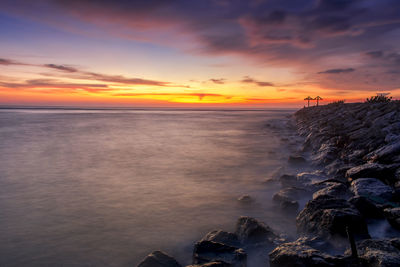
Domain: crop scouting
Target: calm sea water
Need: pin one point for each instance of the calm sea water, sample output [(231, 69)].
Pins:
[(107, 187)]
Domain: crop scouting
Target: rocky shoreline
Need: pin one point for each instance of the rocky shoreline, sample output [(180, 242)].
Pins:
[(352, 217)]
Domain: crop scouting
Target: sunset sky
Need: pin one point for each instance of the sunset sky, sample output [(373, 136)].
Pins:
[(250, 53)]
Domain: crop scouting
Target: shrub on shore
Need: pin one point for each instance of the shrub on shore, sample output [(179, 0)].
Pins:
[(337, 103), (379, 99)]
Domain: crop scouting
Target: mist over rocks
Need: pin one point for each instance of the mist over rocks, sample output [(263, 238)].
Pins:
[(356, 149)]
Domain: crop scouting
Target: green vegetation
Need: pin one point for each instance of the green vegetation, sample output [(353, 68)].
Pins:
[(337, 103), (379, 99)]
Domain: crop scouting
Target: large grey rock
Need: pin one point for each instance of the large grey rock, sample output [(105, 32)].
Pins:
[(251, 231), (328, 216), (159, 259), (372, 189), (373, 170), (337, 190), (386, 153), (223, 237), (300, 254), (289, 206), (327, 153), (289, 194), (310, 180), (288, 180), (296, 160), (209, 251), (379, 252), (245, 199), (338, 169)]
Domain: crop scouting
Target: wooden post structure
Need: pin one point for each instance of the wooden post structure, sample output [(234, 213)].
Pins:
[(308, 98), (318, 98), (353, 247)]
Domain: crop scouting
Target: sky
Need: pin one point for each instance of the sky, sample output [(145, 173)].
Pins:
[(172, 53)]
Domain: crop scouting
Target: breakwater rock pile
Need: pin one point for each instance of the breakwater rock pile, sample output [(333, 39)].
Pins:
[(349, 186), (355, 149)]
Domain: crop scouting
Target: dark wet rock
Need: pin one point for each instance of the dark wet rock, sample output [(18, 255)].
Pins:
[(374, 170), (337, 190), (372, 189), (310, 180), (245, 199), (328, 216), (338, 169), (159, 259), (300, 254), (289, 194), (251, 231), (289, 206), (366, 207), (287, 198), (296, 160), (288, 180), (326, 154), (393, 216), (270, 180), (223, 237), (309, 177), (209, 251), (385, 154), (378, 252)]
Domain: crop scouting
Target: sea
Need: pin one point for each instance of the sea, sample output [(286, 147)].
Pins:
[(106, 187)]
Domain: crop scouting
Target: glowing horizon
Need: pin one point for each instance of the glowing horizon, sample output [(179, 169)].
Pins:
[(217, 53)]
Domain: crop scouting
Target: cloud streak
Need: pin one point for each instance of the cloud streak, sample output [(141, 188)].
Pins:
[(61, 68), (218, 81), (336, 71), (248, 79), (76, 73), (56, 86)]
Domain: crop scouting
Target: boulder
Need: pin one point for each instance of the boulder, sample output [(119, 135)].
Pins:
[(296, 160), (251, 231), (393, 216), (301, 254), (223, 237), (326, 154), (209, 251), (337, 190), (372, 189), (374, 170), (338, 169), (386, 153), (289, 194), (288, 180), (310, 180), (328, 216), (289, 206), (378, 252), (310, 177), (366, 207), (245, 199), (159, 259)]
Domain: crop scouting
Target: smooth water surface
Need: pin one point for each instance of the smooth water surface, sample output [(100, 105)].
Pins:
[(107, 187)]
